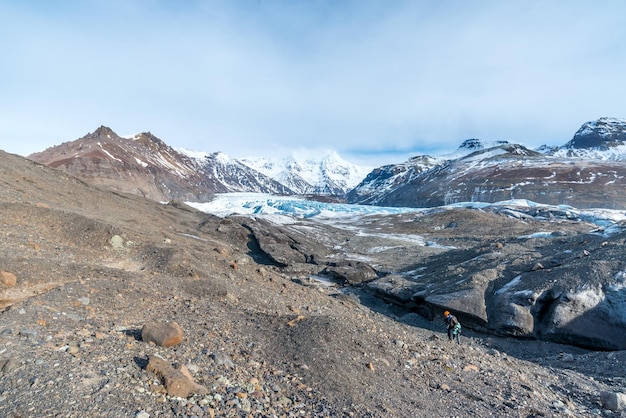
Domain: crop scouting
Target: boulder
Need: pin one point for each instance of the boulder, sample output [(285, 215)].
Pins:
[(588, 317), (613, 401), (7, 279), (177, 379), (164, 334), (351, 272)]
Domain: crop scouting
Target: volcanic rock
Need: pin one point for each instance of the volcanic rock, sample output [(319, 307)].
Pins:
[(177, 380), (164, 334)]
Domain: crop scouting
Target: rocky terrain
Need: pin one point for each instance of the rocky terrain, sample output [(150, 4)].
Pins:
[(115, 305)]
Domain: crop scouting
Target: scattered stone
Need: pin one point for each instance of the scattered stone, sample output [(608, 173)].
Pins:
[(538, 266), (29, 333), (471, 368), (223, 360), (177, 381), (294, 321), (8, 365), (163, 334), (117, 243), (222, 251), (7, 279), (192, 368), (613, 401)]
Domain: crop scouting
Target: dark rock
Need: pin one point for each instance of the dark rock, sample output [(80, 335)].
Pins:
[(613, 401), (351, 272)]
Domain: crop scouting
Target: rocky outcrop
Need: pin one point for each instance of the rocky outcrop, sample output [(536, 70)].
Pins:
[(529, 272), (566, 289)]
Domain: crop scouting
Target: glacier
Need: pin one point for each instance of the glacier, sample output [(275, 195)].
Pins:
[(255, 204)]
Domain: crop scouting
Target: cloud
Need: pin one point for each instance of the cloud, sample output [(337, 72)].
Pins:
[(259, 78)]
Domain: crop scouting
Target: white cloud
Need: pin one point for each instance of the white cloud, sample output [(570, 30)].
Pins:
[(256, 78)]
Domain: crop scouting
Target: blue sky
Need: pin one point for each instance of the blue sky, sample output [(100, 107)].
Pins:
[(375, 80)]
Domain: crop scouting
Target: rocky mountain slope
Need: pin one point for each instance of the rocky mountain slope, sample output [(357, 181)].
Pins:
[(88, 274), (146, 166), (588, 171)]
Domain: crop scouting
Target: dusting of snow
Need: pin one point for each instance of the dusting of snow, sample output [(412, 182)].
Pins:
[(108, 153), (407, 239), (537, 235), (141, 163), (198, 156), (509, 285)]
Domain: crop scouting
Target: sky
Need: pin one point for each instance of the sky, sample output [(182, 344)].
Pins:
[(377, 81)]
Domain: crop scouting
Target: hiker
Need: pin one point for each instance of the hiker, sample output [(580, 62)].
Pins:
[(453, 326)]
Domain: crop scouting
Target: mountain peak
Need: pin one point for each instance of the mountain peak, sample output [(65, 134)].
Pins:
[(474, 144), (600, 134), (103, 132)]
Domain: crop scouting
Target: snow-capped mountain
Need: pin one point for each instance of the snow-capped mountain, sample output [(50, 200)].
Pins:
[(324, 175), (587, 172), (602, 139), (233, 175), (381, 180), (143, 164), (470, 146)]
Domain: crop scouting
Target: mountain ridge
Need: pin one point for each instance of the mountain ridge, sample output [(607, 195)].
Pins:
[(586, 171)]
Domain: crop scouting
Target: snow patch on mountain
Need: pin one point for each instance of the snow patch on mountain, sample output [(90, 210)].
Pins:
[(472, 145), (324, 174)]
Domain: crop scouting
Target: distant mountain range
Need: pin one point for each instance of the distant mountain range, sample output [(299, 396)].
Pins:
[(145, 165), (588, 171)]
